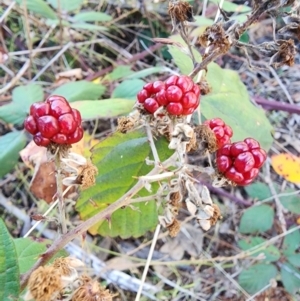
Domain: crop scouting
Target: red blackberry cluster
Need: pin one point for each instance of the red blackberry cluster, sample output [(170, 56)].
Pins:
[(240, 161), (178, 94), (54, 121), (222, 131)]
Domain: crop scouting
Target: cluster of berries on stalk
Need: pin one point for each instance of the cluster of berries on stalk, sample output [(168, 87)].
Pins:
[(179, 95), (239, 162), (54, 121)]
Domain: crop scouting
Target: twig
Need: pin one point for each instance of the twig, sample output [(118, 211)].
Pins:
[(145, 272), (116, 277), (279, 208), (83, 227), (63, 50), (133, 59)]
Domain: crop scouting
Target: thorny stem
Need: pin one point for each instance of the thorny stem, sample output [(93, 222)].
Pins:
[(59, 193), (61, 242), (201, 66)]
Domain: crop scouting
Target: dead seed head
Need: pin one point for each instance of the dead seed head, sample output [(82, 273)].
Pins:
[(285, 54), (204, 87), (180, 12), (217, 215), (175, 198), (66, 265), (45, 283), (174, 228), (216, 38), (125, 124), (206, 139), (91, 291), (87, 176)]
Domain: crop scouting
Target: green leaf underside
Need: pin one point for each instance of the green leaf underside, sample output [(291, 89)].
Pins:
[(120, 158), (29, 251), (10, 146), (128, 89), (39, 7), (257, 219), (80, 90), (290, 278), (228, 100), (9, 270), (262, 191), (290, 247), (271, 252), (106, 108), (17, 110), (257, 277), (91, 16), (66, 5), (119, 72)]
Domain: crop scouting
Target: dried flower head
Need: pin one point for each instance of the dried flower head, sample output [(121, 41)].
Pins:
[(44, 284), (215, 38), (91, 291), (285, 55), (125, 124), (180, 12), (81, 172), (87, 176), (174, 228), (206, 139)]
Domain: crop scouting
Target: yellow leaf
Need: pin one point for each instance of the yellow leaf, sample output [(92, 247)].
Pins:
[(287, 166)]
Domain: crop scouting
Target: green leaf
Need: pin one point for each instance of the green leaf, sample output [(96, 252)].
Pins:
[(93, 109), (291, 202), (88, 26), (66, 5), (257, 277), (271, 252), (22, 98), (182, 61), (290, 278), (128, 89), (258, 191), (261, 192), (119, 72), (9, 270), (120, 159), (257, 219), (80, 90), (92, 16), (229, 100), (29, 251), (146, 72), (232, 7), (39, 7), (290, 247), (10, 145), (203, 21)]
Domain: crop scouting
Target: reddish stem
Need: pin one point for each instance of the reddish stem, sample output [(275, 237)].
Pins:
[(276, 105)]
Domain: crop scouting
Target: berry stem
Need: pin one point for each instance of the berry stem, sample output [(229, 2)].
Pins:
[(62, 241), (59, 193)]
